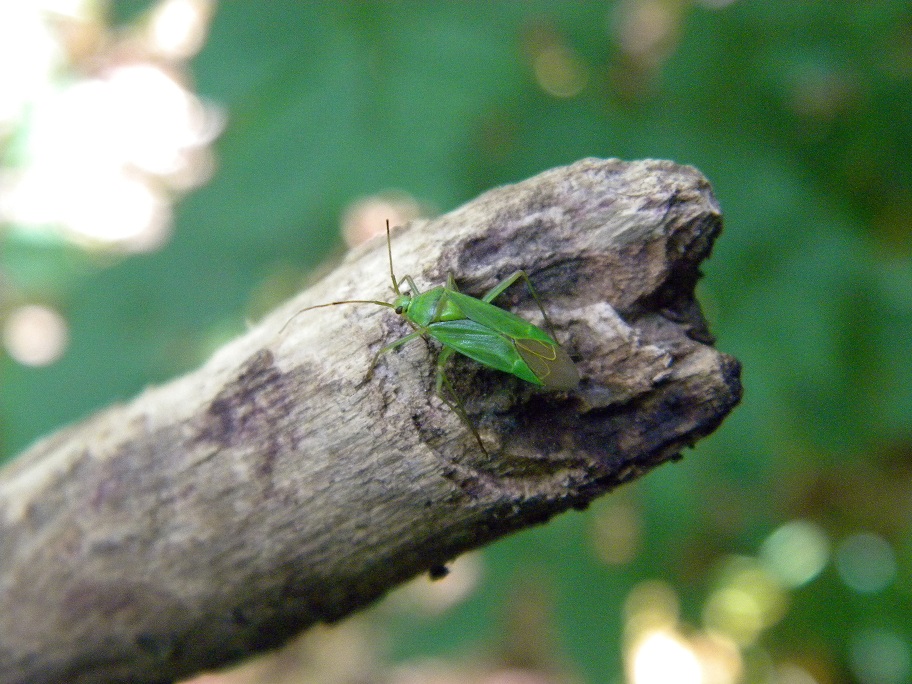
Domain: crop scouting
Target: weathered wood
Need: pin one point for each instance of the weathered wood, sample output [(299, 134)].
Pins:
[(276, 487)]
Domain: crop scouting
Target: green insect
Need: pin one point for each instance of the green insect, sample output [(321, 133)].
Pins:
[(478, 329)]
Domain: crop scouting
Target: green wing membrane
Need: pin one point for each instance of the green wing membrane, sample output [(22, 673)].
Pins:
[(545, 358), (483, 345), (530, 359), (496, 319)]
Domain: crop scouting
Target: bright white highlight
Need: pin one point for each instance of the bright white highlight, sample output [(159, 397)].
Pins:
[(102, 158), (28, 55), (35, 335), (178, 27), (663, 658)]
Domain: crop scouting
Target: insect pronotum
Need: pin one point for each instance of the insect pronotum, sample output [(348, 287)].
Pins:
[(477, 329)]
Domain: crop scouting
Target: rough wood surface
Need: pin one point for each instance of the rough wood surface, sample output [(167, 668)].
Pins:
[(276, 487)]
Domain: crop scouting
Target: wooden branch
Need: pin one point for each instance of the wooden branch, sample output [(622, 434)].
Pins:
[(277, 487)]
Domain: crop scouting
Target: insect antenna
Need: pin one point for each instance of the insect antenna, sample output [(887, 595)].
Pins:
[(389, 251), (322, 306)]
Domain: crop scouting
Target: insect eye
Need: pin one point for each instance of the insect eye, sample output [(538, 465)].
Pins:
[(399, 310)]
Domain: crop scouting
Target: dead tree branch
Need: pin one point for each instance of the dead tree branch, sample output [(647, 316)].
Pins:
[(277, 487)]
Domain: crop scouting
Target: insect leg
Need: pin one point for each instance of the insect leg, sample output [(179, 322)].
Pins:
[(502, 286), (390, 347), (455, 404), (442, 358), (411, 283)]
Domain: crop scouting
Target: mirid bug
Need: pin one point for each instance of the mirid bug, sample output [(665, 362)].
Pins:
[(475, 328)]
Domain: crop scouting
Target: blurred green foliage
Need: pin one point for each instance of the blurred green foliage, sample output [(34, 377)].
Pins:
[(800, 114)]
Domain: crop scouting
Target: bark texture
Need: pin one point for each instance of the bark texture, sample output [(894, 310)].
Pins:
[(277, 487)]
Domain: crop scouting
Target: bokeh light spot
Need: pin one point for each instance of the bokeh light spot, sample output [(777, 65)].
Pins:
[(178, 28), (880, 657), (866, 562), (796, 552), (790, 673), (152, 118), (109, 136), (366, 218), (616, 531), (716, 4), (662, 657), (559, 71), (645, 27), (35, 335), (429, 596), (747, 600), (28, 54), (649, 606)]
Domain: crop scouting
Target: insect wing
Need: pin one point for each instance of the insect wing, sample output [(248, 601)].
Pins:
[(496, 319), (483, 345), (549, 363)]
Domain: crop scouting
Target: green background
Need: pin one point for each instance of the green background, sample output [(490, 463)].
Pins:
[(800, 115)]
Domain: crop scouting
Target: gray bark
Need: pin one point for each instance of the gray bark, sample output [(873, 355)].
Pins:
[(277, 487)]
